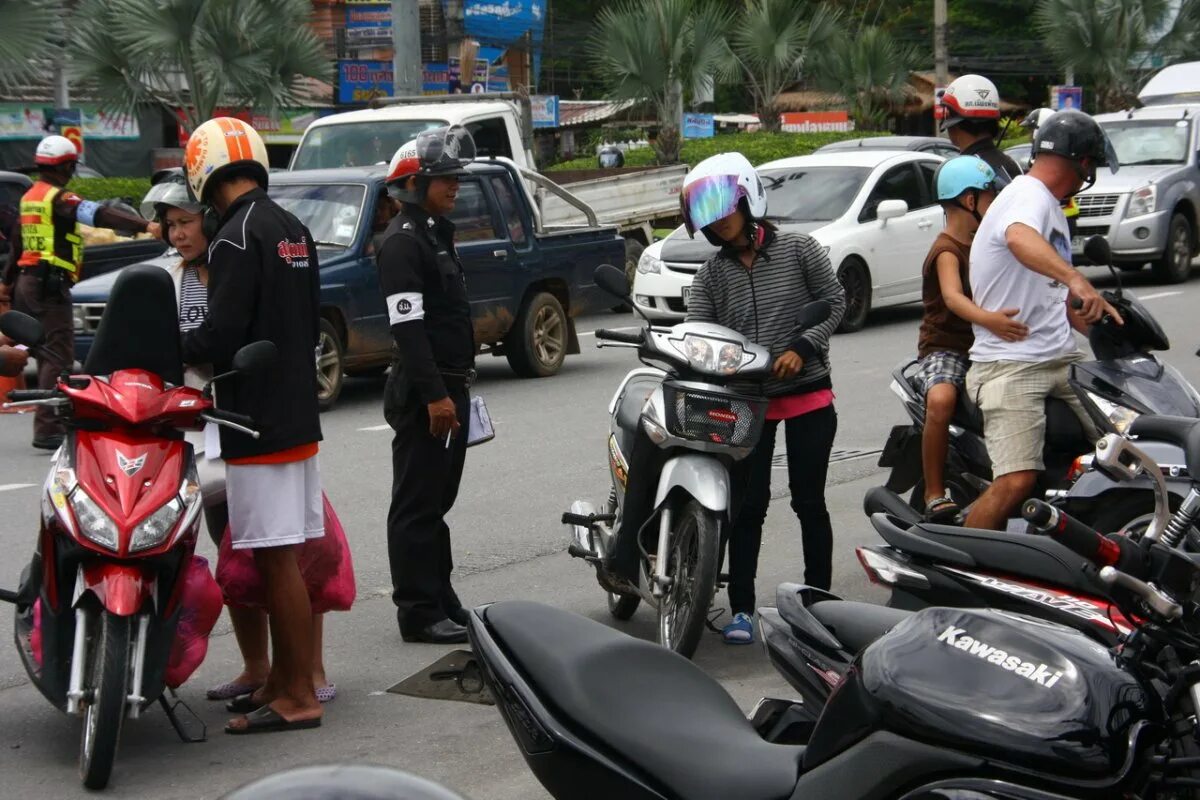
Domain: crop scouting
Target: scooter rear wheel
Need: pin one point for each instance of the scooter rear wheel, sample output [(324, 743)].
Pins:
[(692, 567), (106, 687)]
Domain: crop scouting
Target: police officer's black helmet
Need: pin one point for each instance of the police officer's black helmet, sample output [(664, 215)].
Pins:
[(610, 157)]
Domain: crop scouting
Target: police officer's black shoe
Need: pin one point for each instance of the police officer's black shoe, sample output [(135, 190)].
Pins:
[(47, 442), (445, 632)]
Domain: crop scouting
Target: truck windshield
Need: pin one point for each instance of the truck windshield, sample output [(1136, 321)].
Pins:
[(331, 211), (802, 194), (1149, 141), (357, 144)]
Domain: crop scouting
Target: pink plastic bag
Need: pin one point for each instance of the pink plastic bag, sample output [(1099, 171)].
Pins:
[(325, 564), (199, 608)]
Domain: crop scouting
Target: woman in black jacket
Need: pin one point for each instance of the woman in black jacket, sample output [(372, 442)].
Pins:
[(756, 285)]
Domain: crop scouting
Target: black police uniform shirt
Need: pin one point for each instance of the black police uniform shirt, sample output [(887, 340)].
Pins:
[(263, 284), (423, 284)]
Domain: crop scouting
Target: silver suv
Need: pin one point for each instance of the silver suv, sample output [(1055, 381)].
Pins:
[(1148, 210)]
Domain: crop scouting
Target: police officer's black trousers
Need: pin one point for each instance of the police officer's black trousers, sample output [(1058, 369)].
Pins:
[(53, 309), (425, 479)]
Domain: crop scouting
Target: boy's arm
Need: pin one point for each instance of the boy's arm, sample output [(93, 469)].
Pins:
[(1000, 322)]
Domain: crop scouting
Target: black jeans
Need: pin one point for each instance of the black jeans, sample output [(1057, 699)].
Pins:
[(425, 480), (809, 439)]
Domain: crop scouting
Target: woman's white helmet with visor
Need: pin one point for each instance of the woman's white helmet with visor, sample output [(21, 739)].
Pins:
[(715, 188)]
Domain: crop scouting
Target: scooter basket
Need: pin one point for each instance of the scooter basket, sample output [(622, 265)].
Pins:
[(716, 417)]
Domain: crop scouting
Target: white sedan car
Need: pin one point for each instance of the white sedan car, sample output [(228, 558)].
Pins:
[(874, 211)]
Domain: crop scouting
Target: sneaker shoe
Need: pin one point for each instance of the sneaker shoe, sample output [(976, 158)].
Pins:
[(47, 442), (740, 630)]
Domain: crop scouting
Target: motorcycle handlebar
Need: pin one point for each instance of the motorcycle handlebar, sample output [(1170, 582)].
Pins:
[(26, 395), (218, 415), (620, 336), (1079, 538)]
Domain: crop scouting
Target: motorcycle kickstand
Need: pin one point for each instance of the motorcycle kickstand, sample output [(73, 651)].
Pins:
[(8, 597), (178, 724)]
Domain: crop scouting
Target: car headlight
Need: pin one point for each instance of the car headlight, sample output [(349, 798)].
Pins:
[(715, 356), (80, 319), (1121, 417), (154, 529), (94, 522), (1143, 201), (649, 264)]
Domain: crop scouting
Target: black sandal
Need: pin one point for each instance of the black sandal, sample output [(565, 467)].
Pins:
[(942, 509), (244, 704), (267, 720)]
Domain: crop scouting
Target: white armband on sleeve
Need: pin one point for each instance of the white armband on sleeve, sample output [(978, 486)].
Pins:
[(405, 307), (85, 212)]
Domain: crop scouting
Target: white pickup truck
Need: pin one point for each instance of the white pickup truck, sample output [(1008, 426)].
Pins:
[(633, 200)]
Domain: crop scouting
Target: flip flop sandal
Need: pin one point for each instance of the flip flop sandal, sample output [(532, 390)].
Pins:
[(327, 694), (228, 691), (942, 509), (244, 704), (266, 720)]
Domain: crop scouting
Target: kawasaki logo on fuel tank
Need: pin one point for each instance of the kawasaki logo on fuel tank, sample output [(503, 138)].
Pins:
[(1038, 673)]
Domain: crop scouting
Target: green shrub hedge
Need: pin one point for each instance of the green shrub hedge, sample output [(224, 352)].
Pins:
[(759, 147), (104, 188)]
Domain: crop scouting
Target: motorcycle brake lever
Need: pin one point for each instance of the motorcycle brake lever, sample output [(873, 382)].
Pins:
[(1159, 602)]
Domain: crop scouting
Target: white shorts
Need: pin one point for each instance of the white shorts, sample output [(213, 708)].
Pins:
[(273, 505)]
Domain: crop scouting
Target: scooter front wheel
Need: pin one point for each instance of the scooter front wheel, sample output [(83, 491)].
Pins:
[(692, 567), (106, 689)]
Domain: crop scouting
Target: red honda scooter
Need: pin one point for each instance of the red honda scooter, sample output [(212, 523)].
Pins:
[(99, 604)]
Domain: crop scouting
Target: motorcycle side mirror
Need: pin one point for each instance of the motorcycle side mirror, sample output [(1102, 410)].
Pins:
[(1097, 250), (255, 357), (815, 313), (22, 328), (612, 280)]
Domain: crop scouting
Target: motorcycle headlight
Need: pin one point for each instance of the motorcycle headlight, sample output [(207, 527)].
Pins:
[(154, 529), (649, 264), (94, 523), (715, 356), (1143, 201), (1121, 417)]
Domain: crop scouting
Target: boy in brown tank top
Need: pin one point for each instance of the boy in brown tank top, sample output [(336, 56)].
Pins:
[(965, 188)]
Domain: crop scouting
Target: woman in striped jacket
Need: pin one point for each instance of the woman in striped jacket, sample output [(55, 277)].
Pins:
[(756, 285)]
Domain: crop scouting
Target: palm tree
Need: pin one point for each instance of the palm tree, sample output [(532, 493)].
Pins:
[(27, 38), (658, 50), (1113, 43), (770, 41), (870, 69), (198, 55)]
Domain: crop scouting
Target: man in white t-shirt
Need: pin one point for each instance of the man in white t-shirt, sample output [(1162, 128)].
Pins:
[(1021, 258)]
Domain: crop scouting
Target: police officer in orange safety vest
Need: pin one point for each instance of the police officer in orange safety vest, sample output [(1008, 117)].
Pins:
[(45, 263)]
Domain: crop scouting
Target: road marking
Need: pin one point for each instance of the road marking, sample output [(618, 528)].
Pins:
[(626, 328), (1157, 295), (8, 487), (382, 427)]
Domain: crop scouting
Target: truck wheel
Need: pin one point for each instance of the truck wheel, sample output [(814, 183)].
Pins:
[(1175, 265), (537, 343), (330, 375), (856, 283)]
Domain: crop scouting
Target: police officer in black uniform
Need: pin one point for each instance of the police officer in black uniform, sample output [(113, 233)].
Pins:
[(427, 399)]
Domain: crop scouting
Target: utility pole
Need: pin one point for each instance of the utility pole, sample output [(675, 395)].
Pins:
[(406, 48), (454, 28), (940, 69)]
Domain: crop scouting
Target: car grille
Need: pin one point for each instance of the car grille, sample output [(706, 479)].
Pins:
[(676, 304), (689, 269), (1091, 230), (701, 416), (1097, 205), (89, 320)]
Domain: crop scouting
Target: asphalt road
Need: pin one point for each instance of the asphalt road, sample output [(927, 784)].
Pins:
[(508, 544)]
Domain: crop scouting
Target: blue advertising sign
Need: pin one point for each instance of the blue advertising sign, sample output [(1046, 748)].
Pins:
[(368, 24), (545, 110), (363, 81), (503, 22), (698, 126)]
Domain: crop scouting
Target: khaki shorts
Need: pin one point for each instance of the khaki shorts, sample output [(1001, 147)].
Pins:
[(1012, 396)]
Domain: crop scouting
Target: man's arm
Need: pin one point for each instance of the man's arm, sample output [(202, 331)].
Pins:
[(234, 276), (1028, 246), (71, 206), (402, 285), (999, 322)]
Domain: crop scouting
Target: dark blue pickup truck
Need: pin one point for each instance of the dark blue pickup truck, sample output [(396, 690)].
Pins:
[(526, 283)]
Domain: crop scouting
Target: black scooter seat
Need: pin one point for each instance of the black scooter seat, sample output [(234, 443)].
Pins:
[(648, 705), (1025, 555), (857, 625)]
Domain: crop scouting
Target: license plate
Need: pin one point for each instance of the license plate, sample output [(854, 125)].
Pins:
[(1077, 243), (687, 293)]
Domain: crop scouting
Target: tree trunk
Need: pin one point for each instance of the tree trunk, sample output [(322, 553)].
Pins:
[(769, 118), (668, 145), (670, 120)]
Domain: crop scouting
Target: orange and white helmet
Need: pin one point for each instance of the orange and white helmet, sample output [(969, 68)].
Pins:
[(55, 150), (971, 97), (216, 146)]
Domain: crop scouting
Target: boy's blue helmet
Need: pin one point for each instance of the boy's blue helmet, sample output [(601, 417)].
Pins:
[(962, 174)]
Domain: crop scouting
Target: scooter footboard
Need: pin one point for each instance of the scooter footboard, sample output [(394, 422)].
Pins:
[(561, 760)]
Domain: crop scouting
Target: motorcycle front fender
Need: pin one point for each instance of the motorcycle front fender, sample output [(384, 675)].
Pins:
[(121, 589), (703, 477)]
